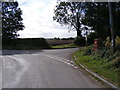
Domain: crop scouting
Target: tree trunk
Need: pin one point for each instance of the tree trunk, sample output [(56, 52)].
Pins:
[(78, 27)]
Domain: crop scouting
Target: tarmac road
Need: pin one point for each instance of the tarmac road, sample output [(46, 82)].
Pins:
[(43, 69)]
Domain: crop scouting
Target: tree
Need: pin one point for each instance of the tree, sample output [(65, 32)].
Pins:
[(97, 16), (103, 16), (69, 14), (117, 19), (111, 11), (92, 14), (11, 21)]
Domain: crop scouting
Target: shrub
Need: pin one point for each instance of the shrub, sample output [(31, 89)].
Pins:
[(117, 41), (108, 43), (91, 38), (88, 50), (116, 63), (80, 41)]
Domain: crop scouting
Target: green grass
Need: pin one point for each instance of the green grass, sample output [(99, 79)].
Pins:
[(64, 46), (97, 65)]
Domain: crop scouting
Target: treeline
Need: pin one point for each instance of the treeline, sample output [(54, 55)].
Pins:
[(57, 38)]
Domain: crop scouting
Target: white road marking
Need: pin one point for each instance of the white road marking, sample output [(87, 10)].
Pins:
[(63, 60), (68, 62)]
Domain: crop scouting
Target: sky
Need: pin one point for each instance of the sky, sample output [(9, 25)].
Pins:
[(38, 20)]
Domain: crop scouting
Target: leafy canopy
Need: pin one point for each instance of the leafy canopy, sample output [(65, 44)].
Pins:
[(69, 14), (92, 14), (11, 20)]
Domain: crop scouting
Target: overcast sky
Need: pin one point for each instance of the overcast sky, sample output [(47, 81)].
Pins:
[(38, 20)]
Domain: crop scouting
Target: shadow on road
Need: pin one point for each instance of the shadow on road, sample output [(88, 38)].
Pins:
[(12, 52)]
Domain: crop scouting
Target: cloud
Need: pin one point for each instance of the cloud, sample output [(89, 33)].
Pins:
[(38, 20)]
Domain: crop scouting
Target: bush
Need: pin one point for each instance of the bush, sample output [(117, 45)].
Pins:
[(108, 43), (91, 38), (8, 42), (105, 54), (88, 50), (33, 42), (115, 63), (117, 41), (80, 41)]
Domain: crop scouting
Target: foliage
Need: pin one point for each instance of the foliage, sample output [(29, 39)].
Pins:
[(102, 61), (115, 63), (106, 54), (97, 16), (108, 43), (56, 38), (69, 13), (11, 21), (80, 41), (88, 50), (106, 69), (117, 41), (93, 14), (91, 38)]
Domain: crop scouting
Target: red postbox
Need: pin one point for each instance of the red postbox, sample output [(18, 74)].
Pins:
[(96, 44)]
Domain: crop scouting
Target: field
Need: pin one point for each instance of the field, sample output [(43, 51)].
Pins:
[(53, 42)]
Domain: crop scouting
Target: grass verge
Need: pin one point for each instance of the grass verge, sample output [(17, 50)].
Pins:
[(98, 66)]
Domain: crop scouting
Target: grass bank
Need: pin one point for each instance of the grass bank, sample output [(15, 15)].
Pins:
[(99, 65)]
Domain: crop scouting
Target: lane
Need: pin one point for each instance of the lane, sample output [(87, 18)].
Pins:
[(64, 53), (42, 69)]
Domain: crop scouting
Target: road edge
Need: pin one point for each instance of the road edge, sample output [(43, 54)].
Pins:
[(95, 75)]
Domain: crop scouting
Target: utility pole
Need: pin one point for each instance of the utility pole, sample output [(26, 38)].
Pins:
[(86, 38), (111, 25)]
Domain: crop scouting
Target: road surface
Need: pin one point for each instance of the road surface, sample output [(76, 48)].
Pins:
[(43, 69)]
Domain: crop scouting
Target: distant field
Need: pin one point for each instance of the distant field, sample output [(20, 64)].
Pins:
[(64, 46), (59, 42)]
